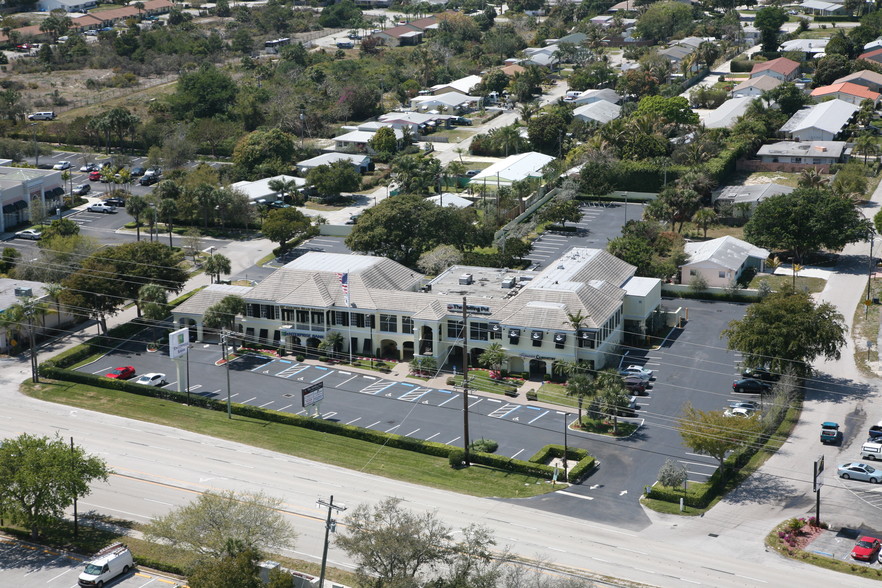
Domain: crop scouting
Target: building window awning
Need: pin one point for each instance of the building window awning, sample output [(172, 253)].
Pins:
[(514, 335), (495, 328), (8, 208), (536, 335), (55, 192), (560, 337), (586, 335)]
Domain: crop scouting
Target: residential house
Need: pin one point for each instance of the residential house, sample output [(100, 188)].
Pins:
[(676, 54), (260, 189), (391, 311), (751, 34), (400, 36), (821, 122), (822, 8), (540, 56), (415, 121), (462, 85), (573, 38), (754, 87), (811, 152), (359, 141), (877, 44), (451, 200), (449, 103), (727, 114), (782, 68), (20, 186), (512, 169), (359, 161), (810, 48), (600, 112), (67, 5), (748, 195), (721, 261), (874, 55), (867, 78), (847, 91), (594, 95)]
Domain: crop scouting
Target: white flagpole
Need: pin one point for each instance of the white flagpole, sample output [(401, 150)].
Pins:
[(349, 304)]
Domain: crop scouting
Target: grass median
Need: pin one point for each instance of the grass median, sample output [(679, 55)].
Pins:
[(332, 449)]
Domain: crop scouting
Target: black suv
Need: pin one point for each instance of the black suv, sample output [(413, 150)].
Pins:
[(115, 201), (148, 180), (751, 386)]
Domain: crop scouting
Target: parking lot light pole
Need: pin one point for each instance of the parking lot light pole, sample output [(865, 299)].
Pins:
[(189, 347), (566, 448), (227, 367)]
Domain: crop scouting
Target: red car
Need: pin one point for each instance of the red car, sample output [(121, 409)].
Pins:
[(94, 176), (866, 549), (122, 373)]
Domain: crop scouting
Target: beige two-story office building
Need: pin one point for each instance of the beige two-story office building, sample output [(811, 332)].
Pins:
[(395, 312)]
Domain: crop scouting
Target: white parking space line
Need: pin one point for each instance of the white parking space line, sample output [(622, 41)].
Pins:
[(433, 436), (392, 429), (320, 377), (446, 401), (377, 387), (493, 400), (353, 420), (249, 400), (267, 404), (517, 454), (475, 402), (371, 426), (347, 381), (538, 417), (412, 432), (452, 441), (285, 407), (574, 495), (50, 580)]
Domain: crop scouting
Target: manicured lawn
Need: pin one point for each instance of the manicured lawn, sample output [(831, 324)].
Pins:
[(556, 394), (605, 427), (779, 282), (336, 450), (480, 380)]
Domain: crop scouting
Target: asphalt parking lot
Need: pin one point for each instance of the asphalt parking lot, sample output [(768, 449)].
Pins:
[(27, 566), (600, 223), (838, 544)]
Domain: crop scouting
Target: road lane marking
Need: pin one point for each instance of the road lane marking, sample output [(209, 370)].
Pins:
[(353, 420), (446, 401), (565, 493)]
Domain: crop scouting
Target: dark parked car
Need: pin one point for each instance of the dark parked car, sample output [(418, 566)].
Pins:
[(115, 201), (759, 374), (81, 190), (751, 386), (137, 171), (635, 384), (148, 180)]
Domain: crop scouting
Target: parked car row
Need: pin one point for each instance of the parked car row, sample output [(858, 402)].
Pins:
[(127, 372)]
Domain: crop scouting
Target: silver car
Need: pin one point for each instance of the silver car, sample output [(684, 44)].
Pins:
[(860, 471)]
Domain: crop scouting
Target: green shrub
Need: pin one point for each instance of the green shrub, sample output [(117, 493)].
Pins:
[(484, 445), (455, 458), (741, 65), (532, 395)]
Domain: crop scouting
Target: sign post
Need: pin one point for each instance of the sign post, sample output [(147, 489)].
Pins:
[(179, 345), (817, 482), (313, 396)]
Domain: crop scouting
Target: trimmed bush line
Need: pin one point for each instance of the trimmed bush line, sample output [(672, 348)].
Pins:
[(836, 18), (529, 468), (99, 344), (585, 461), (739, 296)]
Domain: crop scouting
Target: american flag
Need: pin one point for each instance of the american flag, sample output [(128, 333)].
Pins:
[(344, 285)]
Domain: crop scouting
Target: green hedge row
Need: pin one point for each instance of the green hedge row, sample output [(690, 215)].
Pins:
[(742, 65), (643, 176), (531, 468), (836, 18), (585, 462), (741, 296), (98, 344)]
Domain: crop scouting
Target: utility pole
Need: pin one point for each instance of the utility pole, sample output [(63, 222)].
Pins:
[(330, 527), (566, 448), (227, 366), (76, 520), (465, 382)]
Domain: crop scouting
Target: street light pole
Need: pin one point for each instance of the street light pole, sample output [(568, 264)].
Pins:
[(330, 527), (189, 347), (566, 447), (465, 382), (227, 366)]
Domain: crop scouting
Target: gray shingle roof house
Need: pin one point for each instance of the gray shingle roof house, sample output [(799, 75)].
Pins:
[(752, 193), (720, 261)]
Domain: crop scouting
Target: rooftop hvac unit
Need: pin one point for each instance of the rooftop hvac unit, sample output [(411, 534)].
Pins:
[(508, 282), (465, 279), (22, 292)]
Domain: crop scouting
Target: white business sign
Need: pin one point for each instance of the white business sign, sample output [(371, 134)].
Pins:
[(178, 342)]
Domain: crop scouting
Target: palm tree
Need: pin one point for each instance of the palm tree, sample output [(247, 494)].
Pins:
[(52, 290), (576, 320), (507, 138), (812, 178), (705, 218), (153, 304), (135, 206), (796, 269), (167, 209), (216, 265), (528, 109), (866, 145), (581, 386), (612, 394), (331, 343), (493, 357)]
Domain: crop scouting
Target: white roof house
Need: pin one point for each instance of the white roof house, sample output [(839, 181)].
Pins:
[(751, 193), (728, 113), (462, 85), (812, 152), (450, 199), (601, 112), (359, 161), (593, 95), (260, 188), (449, 102), (721, 261), (358, 140), (513, 169), (821, 122), (808, 46)]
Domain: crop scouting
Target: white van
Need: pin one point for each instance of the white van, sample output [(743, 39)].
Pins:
[(109, 563), (871, 451)]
